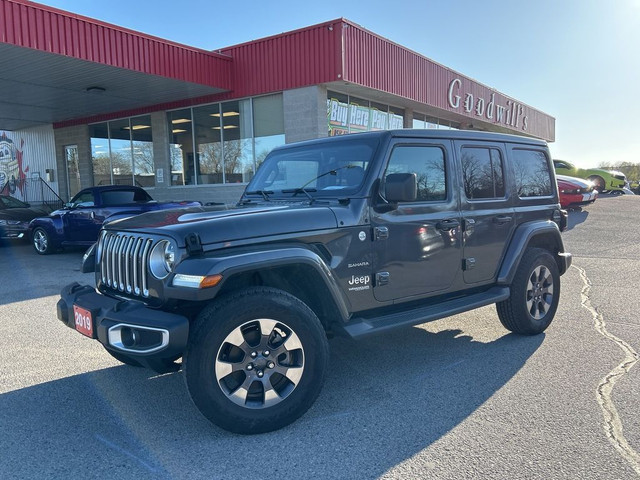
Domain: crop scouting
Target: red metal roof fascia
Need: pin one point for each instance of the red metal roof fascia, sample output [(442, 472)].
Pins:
[(32, 25), (303, 57), (375, 62)]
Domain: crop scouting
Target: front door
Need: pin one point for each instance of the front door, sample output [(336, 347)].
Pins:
[(417, 246)]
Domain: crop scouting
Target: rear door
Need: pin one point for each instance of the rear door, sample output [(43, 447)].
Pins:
[(488, 216), (417, 246)]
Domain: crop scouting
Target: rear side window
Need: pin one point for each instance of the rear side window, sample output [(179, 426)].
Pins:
[(533, 177), (123, 197), (427, 162), (483, 173)]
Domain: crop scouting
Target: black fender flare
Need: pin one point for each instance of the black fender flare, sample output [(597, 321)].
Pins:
[(523, 236), (240, 262)]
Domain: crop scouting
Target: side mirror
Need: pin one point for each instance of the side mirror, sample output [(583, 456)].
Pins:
[(401, 187)]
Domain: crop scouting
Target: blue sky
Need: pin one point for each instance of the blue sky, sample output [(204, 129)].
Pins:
[(577, 60)]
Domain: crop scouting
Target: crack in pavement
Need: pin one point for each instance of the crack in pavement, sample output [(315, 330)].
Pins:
[(612, 422)]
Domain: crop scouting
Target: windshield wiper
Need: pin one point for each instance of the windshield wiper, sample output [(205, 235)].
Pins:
[(296, 191), (265, 194)]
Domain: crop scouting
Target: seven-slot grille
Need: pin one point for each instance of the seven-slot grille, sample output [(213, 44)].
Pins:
[(124, 259)]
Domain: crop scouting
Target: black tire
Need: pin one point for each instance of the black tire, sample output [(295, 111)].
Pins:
[(238, 369), (121, 358), (599, 183), (41, 241), (535, 292)]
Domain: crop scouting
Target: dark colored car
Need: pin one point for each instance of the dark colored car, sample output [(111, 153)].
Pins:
[(350, 235), (79, 221), (15, 216), (575, 192)]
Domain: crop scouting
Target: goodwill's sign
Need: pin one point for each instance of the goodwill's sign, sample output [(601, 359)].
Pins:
[(511, 114)]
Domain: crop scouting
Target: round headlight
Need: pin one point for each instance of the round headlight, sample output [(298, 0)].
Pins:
[(162, 259)]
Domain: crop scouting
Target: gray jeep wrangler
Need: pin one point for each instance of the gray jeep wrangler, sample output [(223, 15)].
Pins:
[(351, 235)]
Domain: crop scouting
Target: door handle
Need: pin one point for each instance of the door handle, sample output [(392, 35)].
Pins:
[(447, 225), (502, 219)]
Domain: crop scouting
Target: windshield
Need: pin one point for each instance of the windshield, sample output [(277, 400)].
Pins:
[(335, 167), (10, 202)]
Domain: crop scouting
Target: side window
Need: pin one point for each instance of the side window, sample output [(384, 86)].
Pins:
[(83, 199), (531, 168), (483, 173), (427, 162)]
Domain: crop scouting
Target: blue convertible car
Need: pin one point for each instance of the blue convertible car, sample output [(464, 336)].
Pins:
[(78, 223)]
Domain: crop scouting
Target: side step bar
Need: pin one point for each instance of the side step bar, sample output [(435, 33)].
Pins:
[(360, 327)]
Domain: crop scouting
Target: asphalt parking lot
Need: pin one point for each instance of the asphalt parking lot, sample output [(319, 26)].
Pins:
[(456, 398)]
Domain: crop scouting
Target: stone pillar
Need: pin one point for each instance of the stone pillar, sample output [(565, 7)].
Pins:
[(408, 118), (305, 113)]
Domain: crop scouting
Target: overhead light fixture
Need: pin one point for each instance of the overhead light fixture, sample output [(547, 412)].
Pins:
[(178, 130), (95, 89), (226, 127), (225, 114), (136, 127), (181, 120)]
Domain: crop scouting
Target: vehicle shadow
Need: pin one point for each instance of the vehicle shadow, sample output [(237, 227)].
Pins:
[(25, 275), (576, 217), (386, 399)]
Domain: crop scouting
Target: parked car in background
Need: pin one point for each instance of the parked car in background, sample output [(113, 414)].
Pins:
[(15, 216), (634, 186), (79, 221), (575, 192), (604, 180)]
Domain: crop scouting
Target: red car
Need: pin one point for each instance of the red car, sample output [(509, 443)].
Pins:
[(575, 192)]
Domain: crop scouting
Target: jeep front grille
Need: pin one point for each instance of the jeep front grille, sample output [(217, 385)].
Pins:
[(123, 262)]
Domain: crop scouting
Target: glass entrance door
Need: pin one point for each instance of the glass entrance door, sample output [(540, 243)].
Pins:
[(73, 172)]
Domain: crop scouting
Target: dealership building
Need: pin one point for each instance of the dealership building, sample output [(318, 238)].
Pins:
[(87, 103)]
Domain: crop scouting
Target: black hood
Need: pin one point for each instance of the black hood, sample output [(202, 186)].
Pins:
[(215, 225)]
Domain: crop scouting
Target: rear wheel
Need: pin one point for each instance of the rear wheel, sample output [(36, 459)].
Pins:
[(41, 241), (256, 360), (535, 292)]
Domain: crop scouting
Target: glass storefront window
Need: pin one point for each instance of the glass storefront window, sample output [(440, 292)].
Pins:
[(268, 125), (379, 116), (337, 113), (418, 121), (120, 143), (100, 156), (237, 133), (359, 113), (181, 147), (208, 127), (122, 152), (396, 118), (142, 142)]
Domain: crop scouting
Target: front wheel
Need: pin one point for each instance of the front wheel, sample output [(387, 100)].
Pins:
[(535, 292), (42, 241), (256, 360), (598, 183)]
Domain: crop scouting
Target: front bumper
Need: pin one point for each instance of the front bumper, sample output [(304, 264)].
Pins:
[(153, 338), (11, 232)]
